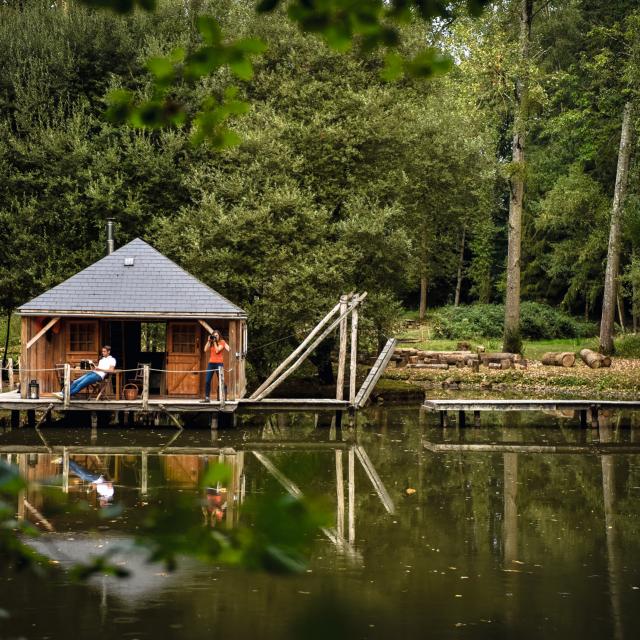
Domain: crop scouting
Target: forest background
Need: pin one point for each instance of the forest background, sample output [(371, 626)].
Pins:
[(342, 180)]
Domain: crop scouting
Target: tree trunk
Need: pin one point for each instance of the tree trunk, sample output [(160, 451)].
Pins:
[(456, 302), (6, 341), (613, 253), (512, 340), (423, 296)]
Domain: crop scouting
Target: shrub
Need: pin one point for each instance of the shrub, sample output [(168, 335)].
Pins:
[(628, 346), (538, 322)]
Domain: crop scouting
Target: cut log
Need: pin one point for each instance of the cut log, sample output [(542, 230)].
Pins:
[(413, 359), (605, 361), (486, 358), (506, 364), (591, 358), (559, 359), (494, 365)]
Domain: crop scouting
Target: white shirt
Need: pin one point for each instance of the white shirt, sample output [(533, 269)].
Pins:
[(106, 363)]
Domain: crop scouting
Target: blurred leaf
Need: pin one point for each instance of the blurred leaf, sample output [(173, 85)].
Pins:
[(209, 30), (216, 473)]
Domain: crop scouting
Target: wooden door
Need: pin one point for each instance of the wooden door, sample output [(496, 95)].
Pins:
[(183, 359)]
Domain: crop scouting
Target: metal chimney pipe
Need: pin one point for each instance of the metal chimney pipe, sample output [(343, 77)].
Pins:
[(110, 245)]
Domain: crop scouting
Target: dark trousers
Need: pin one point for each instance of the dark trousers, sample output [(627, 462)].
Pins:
[(212, 367)]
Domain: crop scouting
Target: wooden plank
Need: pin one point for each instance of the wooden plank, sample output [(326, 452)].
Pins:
[(42, 332), (297, 351), (342, 352), (145, 387), (354, 356), (375, 373), (66, 393), (373, 476)]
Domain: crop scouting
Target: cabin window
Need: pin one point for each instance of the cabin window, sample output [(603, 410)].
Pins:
[(83, 337), (184, 338)]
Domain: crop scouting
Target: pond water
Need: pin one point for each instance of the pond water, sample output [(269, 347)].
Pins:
[(442, 544)]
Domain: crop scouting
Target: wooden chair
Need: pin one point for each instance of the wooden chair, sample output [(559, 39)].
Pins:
[(104, 387)]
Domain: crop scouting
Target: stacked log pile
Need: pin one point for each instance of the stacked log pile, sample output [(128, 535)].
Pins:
[(421, 359)]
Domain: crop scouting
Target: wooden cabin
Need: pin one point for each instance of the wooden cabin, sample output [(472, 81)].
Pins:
[(149, 310)]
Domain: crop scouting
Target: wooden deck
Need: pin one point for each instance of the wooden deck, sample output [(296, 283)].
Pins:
[(11, 401)]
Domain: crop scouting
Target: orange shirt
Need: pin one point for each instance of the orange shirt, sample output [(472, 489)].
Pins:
[(217, 357)]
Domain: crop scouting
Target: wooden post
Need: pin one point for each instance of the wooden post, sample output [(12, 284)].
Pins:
[(594, 417), (342, 354), (295, 353), (285, 374), (10, 373), (351, 457), (67, 385), (461, 418), (145, 387), (476, 418), (1, 376), (354, 356), (144, 473), (221, 393)]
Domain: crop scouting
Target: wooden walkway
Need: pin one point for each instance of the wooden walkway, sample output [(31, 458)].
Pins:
[(583, 407), (595, 448)]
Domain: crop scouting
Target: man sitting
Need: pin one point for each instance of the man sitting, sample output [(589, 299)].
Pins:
[(106, 364)]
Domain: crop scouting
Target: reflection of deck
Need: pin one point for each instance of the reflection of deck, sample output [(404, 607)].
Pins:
[(594, 407), (11, 401), (595, 448)]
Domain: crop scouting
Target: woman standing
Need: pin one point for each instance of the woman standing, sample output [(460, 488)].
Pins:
[(216, 346)]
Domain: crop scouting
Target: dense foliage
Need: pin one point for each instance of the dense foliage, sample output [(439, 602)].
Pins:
[(539, 322)]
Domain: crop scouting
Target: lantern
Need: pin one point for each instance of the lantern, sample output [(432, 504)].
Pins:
[(34, 390)]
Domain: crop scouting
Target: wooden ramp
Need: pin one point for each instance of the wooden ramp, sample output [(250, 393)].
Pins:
[(374, 375)]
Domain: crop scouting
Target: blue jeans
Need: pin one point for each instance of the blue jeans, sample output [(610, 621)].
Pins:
[(212, 367), (82, 473), (84, 381)]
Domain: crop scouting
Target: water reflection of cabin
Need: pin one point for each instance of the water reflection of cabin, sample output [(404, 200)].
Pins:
[(148, 309)]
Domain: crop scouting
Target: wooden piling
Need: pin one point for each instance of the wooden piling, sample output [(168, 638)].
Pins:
[(67, 385), (594, 417), (342, 353), (476, 418), (145, 387), (461, 418), (583, 417), (354, 356)]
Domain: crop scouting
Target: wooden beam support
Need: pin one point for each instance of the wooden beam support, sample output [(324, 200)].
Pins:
[(373, 476), (354, 357), (295, 353), (42, 332), (67, 385), (342, 353), (145, 387), (285, 374)]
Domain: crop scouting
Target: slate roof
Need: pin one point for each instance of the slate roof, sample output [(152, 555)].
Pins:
[(153, 285)]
